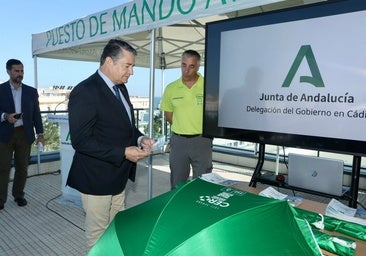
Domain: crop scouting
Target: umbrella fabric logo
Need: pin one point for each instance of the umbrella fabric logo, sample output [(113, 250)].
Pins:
[(316, 78), (220, 200), (214, 201), (217, 201)]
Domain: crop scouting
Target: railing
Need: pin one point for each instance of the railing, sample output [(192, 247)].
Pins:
[(221, 146)]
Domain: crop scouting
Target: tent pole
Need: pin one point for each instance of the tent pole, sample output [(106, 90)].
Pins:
[(36, 86), (162, 66), (35, 72), (151, 106)]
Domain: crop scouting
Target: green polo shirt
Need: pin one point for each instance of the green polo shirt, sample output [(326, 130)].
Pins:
[(186, 105)]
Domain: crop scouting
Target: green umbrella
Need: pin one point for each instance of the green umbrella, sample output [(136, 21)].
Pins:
[(202, 218)]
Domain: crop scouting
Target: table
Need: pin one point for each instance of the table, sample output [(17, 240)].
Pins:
[(317, 207)]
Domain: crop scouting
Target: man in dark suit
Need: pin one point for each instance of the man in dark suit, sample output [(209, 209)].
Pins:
[(20, 115), (106, 141)]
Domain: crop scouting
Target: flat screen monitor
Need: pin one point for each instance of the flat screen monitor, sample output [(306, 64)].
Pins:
[(294, 77)]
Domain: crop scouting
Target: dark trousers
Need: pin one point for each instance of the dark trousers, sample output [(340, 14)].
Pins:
[(185, 153), (18, 147)]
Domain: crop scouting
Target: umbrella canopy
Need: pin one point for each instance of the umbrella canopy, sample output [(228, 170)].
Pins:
[(202, 218)]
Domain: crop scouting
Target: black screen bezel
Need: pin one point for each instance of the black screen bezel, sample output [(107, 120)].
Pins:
[(212, 75)]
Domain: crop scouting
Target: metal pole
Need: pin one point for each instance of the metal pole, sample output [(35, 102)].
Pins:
[(151, 107), (36, 86), (162, 66)]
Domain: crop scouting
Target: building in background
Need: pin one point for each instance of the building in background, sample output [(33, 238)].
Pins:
[(56, 98)]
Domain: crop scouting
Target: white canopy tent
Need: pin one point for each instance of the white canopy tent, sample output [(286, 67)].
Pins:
[(178, 25), (160, 30)]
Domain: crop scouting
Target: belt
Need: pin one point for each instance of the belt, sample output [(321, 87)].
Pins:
[(187, 135), (21, 127)]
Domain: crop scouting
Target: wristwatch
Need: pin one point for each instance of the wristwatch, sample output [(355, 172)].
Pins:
[(5, 116)]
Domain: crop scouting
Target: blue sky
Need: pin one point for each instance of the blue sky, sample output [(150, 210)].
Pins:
[(20, 19)]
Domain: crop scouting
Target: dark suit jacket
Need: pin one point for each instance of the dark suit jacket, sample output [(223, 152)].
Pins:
[(30, 109), (100, 130)]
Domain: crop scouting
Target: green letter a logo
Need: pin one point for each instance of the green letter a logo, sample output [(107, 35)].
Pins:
[(316, 79), (67, 136)]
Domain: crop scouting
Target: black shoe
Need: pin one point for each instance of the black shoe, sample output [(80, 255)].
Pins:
[(1, 205), (21, 201)]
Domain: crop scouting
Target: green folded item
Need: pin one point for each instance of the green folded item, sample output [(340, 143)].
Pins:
[(339, 245), (332, 224)]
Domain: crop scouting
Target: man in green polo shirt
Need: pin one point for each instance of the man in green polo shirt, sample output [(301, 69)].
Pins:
[(182, 104)]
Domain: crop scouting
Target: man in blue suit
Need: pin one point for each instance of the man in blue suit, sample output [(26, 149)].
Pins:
[(106, 141), (20, 116)]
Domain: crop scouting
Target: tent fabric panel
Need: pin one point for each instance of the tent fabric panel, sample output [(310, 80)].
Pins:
[(132, 17), (173, 38)]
